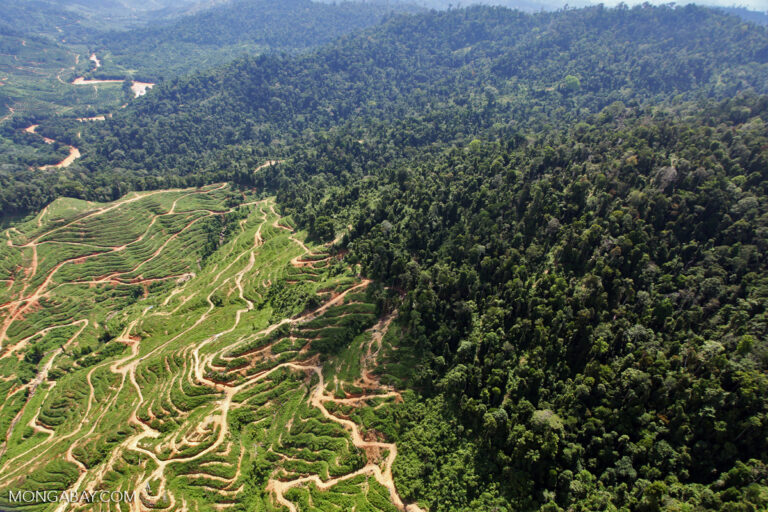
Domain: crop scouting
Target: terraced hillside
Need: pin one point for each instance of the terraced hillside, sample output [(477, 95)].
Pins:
[(176, 346)]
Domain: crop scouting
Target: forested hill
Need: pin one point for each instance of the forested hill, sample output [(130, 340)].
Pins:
[(261, 21), (490, 64), (37, 17), (219, 34), (439, 75), (586, 308)]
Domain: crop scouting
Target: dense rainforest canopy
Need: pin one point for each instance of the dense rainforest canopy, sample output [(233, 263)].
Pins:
[(569, 210), (590, 303), (441, 76)]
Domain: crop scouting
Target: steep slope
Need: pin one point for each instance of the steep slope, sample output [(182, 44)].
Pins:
[(587, 307), (447, 74), (138, 357), (38, 17)]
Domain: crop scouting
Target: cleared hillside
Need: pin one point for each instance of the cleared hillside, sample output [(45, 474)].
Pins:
[(175, 346)]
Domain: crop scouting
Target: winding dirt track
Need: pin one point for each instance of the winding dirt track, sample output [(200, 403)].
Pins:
[(217, 423), (24, 303), (10, 114), (268, 163), (318, 398), (17, 307), (42, 375), (74, 153)]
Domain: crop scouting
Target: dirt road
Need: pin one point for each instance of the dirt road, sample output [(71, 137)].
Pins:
[(74, 153)]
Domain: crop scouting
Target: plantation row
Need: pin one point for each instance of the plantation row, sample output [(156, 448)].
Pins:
[(191, 372)]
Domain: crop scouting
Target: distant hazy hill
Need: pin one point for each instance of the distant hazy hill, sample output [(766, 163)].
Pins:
[(749, 14), (127, 5), (77, 20), (214, 36), (34, 16), (522, 5), (760, 18)]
